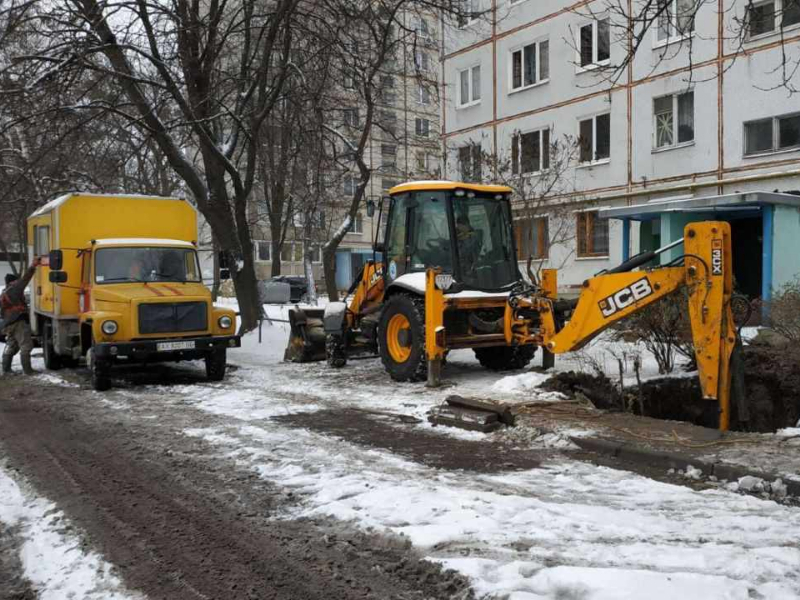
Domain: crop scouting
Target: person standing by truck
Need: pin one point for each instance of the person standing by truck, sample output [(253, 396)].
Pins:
[(16, 327)]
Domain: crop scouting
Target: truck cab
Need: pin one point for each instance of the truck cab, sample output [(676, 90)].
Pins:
[(124, 299)]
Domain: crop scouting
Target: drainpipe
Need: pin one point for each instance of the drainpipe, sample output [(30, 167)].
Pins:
[(767, 219)]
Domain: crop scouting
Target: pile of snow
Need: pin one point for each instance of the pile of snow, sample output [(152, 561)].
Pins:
[(51, 559)]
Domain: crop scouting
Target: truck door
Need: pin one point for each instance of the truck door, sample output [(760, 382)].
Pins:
[(42, 296)]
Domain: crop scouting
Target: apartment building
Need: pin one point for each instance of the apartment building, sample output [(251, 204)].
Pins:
[(701, 124), (404, 145)]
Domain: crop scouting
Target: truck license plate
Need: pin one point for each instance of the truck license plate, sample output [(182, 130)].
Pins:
[(175, 346)]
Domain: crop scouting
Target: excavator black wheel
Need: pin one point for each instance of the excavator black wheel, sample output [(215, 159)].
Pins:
[(505, 358), (336, 351), (401, 338)]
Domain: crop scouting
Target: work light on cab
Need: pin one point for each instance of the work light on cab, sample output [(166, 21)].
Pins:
[(109, 327)]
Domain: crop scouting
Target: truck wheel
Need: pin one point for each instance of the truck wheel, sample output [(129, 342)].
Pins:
[(401, 338), (336, 351), (505, 358), (52, 361), (101, 372), (216, 361)]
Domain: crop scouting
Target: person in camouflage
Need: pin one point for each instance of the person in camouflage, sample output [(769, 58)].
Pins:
[(16, 328)]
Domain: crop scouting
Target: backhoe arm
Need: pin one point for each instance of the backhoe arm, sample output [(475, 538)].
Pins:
[(605, 299)]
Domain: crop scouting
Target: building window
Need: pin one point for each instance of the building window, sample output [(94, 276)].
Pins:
[(350, 116), (533, 238), (423, 127), (388, 122), (469, 13), (594, 139), (675, 18), (388, 155), (422, 61), (530, 65), (592, 235), (287, 252), (263, 250), (422, 161), (673, 118), (771, 15), (349, 82), (469, 86), (357, 225), (595, 43), (530, 152), (772, 135), (349, 184), (469, 161), (423, 94)]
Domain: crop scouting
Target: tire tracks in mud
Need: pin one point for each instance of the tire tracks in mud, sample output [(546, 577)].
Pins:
[(177, 525)]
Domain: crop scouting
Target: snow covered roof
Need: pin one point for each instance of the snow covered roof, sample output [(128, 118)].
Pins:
[(62, 199), (143, 242)]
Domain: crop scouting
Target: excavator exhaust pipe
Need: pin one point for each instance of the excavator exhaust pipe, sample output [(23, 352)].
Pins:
[(306, 336)]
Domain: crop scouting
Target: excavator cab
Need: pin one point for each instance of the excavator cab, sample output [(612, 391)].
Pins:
[(465, 232)]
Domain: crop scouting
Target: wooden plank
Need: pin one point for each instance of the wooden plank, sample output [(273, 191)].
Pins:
[(502, 411)]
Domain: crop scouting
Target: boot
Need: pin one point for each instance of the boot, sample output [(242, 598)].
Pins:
[(7, 364), (25, 359)]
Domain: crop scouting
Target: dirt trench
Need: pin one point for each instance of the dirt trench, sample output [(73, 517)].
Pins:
[(772, 393)]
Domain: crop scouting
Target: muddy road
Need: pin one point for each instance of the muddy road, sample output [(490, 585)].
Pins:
[(177, 523)]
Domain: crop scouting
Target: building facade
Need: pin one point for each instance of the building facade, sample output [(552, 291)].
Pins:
[(702, 123), (404, 144)]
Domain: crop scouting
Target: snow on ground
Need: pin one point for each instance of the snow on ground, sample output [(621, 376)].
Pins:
[(567, 530), (51, 556)]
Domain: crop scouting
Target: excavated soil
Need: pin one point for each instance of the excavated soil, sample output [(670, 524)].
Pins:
[(178, 522), (772, 393)]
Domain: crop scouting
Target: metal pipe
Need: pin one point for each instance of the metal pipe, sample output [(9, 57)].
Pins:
[(669, 246)]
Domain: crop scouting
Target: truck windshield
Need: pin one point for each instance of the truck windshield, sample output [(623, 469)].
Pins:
[(120, 265), (484, 242)]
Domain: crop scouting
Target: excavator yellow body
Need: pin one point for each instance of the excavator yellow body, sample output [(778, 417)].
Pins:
[(449, 279)]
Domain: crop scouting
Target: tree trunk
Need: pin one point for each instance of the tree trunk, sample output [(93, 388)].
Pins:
[(275, 250), (246, 285), (329, 269), (308, 264), (215, 267)]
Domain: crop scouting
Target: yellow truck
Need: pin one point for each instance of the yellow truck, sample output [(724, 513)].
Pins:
[(121, 282)]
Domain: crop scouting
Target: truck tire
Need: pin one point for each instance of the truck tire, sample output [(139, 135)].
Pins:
[(216, 362), (101, 372), (401, 338), (336, 351), (52, 361), (505, 358)]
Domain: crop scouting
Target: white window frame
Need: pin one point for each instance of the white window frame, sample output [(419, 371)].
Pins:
[(778, 25), (518, 136), (357, 226), (423, 95), (775, 136), (674, 36), (349, 181), (599, 161), (595, 64), (423, 66), (470, 87), (347, 120), (675, 120), (521, 49)]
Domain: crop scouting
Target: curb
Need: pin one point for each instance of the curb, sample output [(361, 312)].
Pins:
[(676, 460)]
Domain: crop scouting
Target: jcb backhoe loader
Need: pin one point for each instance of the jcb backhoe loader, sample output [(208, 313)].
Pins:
[(449, 279)]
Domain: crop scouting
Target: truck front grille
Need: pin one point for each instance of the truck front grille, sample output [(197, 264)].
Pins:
[(173, 317)]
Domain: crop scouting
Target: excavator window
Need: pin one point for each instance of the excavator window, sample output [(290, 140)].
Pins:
[(430, 246)]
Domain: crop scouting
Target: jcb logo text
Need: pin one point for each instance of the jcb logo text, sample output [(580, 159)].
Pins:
[(625, 297)]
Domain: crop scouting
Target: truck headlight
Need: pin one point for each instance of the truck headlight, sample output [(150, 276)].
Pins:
[(225, 322), (109, 327)]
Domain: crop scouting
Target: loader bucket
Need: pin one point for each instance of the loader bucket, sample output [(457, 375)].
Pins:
[(307, 335)]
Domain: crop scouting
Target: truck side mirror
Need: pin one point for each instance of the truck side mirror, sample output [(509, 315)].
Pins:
[(370, 208), (58, 276), (55, 260)]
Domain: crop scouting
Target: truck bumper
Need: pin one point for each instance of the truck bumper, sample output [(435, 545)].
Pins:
[(156, 350)]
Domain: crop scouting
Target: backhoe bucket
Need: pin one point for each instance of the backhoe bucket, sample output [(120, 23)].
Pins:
[(307, 335)]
